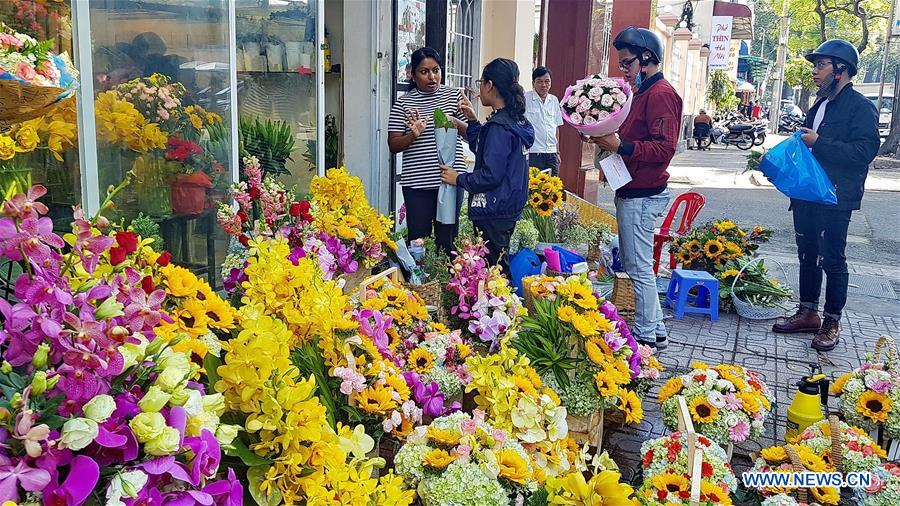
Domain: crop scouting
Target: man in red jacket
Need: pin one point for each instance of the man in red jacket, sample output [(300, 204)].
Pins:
[(646, 141)]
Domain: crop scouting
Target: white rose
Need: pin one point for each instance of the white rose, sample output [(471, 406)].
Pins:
[(573, 101), (621, 97), (603, 115), (716, 399), (757, 425), (583, 106), (590, 120), (125, 485), (606, 101), (725, 385), (575, 117), (595, 93), (100, 408), (77, 433)]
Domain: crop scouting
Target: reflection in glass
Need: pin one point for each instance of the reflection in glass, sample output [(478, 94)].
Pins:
[(161, 78)]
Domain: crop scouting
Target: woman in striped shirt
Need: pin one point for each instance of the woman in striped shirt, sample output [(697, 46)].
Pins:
[(411, 132)]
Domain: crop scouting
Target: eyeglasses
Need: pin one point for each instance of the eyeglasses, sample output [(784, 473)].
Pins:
[(479, 82), (822, 64), (624, 64)]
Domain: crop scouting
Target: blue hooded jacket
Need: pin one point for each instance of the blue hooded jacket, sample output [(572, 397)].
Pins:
[(498, 187)]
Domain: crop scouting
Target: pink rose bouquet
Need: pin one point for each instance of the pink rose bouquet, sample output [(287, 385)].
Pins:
[(596, 106)]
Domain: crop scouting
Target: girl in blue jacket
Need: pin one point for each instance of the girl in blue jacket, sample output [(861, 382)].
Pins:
[(498, 187)]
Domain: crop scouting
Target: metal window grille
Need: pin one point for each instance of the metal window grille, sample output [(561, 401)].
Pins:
[(462, 42)]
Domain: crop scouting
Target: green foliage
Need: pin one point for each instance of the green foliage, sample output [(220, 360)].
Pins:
[(145, 227), (753, 159), (545, 340), (435, 263), (441, 120), (332, 144), (720, 91), (797, 73), (271, 142)]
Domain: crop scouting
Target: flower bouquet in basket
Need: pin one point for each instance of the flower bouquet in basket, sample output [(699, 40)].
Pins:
[(583, 350), (96, 405), (715, 243), (462, 459), (857, 451), (666, 474), (32, 78), (727, 403), (545, 195), (870, 395), (790, 459), (596, 106), (884, 489)]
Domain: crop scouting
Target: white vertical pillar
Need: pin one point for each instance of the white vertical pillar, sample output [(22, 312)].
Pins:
[(87, 127)]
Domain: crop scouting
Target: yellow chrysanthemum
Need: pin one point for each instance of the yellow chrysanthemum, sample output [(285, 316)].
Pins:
[(713, 248), (702, 411), (874, 406), (437, 459), (670, 388), (463, 350), (513, 466), (420, 361), (749, 403), (630, 404), (725, 225), (445, 437), (774, 454), (179, 281), (837, 388), (729, 274)]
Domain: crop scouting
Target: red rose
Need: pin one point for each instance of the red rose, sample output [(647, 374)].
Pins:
[(127, 240), (648, 458), (304, 207), (707, 470), (295, 209), (117, 255), (254, 193), (243, 216), (148, 285), (661, 495), (164, 259), (243, 239)]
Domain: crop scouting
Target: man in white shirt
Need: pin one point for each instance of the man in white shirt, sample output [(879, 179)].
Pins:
[(543, 112)]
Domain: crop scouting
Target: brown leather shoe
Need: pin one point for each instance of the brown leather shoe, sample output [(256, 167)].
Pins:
[(827, 337), (803, 321)]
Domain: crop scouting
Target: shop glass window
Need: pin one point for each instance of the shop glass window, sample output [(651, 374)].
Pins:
[(462, 42)]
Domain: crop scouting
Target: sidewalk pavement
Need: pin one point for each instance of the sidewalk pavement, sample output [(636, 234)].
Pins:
[(780, 359)]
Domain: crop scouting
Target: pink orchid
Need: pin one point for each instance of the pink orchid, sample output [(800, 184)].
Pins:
[(14, 474), (25, 205), (31, 435)]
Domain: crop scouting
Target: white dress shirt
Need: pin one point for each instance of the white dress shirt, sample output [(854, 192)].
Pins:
[(545, 116)]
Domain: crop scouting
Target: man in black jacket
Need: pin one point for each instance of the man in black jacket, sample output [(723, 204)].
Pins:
[(841, 129)]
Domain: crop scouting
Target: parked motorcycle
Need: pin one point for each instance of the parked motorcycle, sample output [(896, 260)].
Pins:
[(730, 132), (759, 132), (789, 123)]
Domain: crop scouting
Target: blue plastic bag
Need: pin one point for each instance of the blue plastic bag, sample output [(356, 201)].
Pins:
[(793, 169), (521, 265), (568, 258)]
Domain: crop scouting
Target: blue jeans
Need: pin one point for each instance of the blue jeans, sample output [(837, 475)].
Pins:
[(637, 221)]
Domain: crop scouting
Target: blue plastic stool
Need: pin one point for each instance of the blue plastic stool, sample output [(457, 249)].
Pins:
[(707, 299)]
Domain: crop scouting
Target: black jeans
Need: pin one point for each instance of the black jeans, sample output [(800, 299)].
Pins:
[(497, 234), (821, 243), (421, 210), (545, 161)]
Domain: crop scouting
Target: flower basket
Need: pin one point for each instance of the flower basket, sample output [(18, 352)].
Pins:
[(189, 193), (366, 280), (623, 297), (587, 429), (883, 361), (431, 294), (751, 311)]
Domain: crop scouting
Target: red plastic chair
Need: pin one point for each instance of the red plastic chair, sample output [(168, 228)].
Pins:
[(693, 203)]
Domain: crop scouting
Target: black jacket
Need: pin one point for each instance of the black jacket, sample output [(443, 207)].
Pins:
[(848, 142), (498, 186)]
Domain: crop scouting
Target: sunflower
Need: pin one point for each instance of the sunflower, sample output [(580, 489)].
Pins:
[(437, 459), (670, 388), (584, 326), (523, 384), (810, 459), (714, 494), (377, 399), (566, 313), (579, 295), (725, 225), (631, 406), (684, 256), (671, 483), (606, 384), (443, 437), (536, 200), (713, 248), (774, 454), (545, 209), (694, 246), (420, 361), (733, 249), (513, 467), (191, 318), (597, 350), (702, 411), (826, 495), (730, 273), (398, 384), (874, 406), (219, 313)]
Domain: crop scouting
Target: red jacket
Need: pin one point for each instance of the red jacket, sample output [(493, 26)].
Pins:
[(649, 136)]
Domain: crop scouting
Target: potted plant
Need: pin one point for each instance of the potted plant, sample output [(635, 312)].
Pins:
[(271, 142)]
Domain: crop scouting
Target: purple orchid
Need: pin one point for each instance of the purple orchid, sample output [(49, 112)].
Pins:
[(235, 278), (142, 311), (227, 492), (14, 474), (34, 238), (207, 455), (115, 443), (374, 325), (74, 491), (429, 398)]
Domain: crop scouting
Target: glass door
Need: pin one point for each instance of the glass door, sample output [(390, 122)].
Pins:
[(281, 66)]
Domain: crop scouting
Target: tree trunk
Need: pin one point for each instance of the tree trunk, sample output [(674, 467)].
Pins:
[(892, 143)]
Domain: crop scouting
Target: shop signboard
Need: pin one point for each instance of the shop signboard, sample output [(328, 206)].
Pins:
[(720, 42)]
